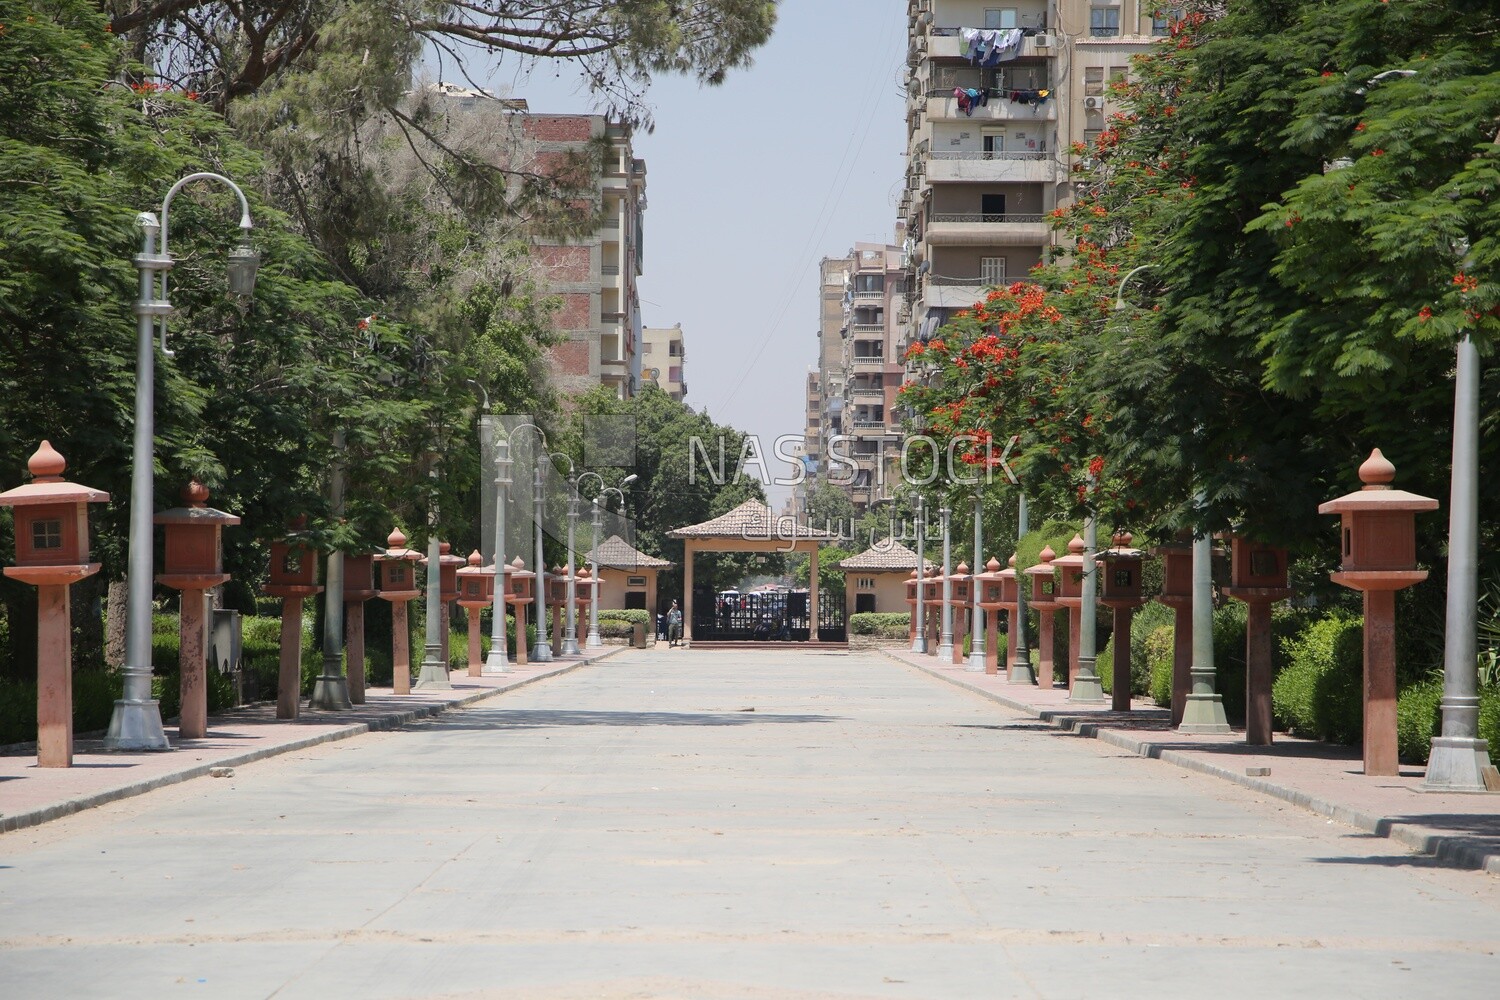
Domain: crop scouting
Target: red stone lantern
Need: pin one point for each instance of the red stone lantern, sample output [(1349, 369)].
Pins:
[(359, 587), (1177, 594), (1044, 599), (914, 615), (1070, 596), (1258, 576), (1380, 557), (522, 592), (1121, 590), (193, 563), (476, 591), (932, 597), (1010, 596), (398, 585), (961, 598), (991, 591), (52, 552), (293, 577), (557, 599)]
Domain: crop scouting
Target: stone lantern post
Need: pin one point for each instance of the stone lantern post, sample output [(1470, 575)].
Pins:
[(1177, 594), (989, 589), (522, 593), (1258, 576), (52, 552), (476, 591), (1379, 558), (193, 564), (934, 600), (293, 577), (1121, 591), (1019, 667), (1044, 598), (915, 613), (583, 592), (960, 606), (398, 585), (1070, 596), (359, 587)]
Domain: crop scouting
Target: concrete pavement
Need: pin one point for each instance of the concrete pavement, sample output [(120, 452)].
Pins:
[(740, 824)]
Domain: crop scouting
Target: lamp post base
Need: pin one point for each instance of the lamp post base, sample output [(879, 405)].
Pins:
[(1204, 715), (136, 725), (542, 651), (434, 677), (593, 641), (495, 663), (1088, 689), (330, 694), (569, 648), (976, 660), (945, 652), (1457, 764)]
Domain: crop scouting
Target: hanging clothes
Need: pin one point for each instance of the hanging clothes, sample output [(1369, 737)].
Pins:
[(964, 104), (1007, 45)]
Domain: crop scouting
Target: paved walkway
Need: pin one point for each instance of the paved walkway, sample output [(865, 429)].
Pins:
[(30, 795), (780, 825), (1329, 780)]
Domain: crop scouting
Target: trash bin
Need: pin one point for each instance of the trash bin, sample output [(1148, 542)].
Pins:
[(638, 635)]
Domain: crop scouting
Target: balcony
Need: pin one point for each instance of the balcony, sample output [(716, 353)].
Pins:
[(955, 292), (867, 393), (1020, 166), (943, 106), (869, 295), (946, 43), (867, 363), (858, 330), (977, 229)]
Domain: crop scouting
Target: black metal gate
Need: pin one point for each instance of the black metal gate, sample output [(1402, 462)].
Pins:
[(767, 616)]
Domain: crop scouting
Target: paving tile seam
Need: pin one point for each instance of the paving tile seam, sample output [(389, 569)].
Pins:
[(914, 935), (383, 723), (1457, 851)]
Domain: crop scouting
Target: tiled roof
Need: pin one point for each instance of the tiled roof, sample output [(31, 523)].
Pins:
[(616, 553), (751, 520), (888, 555)]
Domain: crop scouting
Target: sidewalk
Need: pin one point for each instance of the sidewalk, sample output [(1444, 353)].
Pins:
[(30, 795), (1459, 830)]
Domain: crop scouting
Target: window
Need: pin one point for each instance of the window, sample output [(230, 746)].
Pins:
[(992, 270), (46, 535), (992, 207), (674, 349), (994, 142), (869, 283), (1002, 17), (1091, 139), (1093, 81), (1104, 22), (1161, 20), (674, 374)]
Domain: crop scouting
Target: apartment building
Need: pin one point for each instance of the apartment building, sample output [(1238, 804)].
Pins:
[(662, 359), (989, 151), (599, 323), (871, 358)]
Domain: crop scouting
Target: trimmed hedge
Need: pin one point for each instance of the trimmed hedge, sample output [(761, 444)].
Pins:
[(883, 624), (1158, 652), (1319, 692), (635, 616), (1419, 718), (1147, 620)]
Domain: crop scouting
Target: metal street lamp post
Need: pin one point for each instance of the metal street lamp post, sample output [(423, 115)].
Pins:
[(434, 676), (1087, 688), (331, 691), (919, 643), (976, 621), (135, 723), (945, 640), (595, 641), (570, 626), (1020, 671), (497, 662)]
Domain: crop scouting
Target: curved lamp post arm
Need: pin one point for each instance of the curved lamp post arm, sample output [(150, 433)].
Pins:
[(1120, 292), (166, 203)]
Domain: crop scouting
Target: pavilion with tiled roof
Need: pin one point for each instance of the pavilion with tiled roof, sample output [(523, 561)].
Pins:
[(875, 580), (750, 527), (627, 576)]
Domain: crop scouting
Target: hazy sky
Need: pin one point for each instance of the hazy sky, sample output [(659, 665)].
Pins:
[(749, 185)]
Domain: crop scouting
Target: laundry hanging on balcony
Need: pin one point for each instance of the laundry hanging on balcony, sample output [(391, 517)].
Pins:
[(970, 98), (991, 46), (1029, 96)]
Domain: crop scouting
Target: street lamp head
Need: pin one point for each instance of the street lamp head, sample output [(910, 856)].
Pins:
[(629, 479), (244, 262)]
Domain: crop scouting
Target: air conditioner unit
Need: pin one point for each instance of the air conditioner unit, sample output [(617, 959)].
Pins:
[(1094, 103), (1042, 41)]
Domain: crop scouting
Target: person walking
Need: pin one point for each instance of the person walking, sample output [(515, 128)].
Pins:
[(674, 625)]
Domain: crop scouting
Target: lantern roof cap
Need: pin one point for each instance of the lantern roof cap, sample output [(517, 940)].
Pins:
[(195, 510), (398, 550), (1377, 473), (48, 486)]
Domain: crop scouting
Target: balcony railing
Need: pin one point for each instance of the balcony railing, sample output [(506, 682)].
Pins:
[(985, 217), (867, 329), (998, 154), (976, 281), (610, 270)]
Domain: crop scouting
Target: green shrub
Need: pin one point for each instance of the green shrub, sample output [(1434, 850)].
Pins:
[(1417, 719), (1319, 692), (611, 628), (1158, 646), (635, 616), (884, 624), (94, 694), (1229, 658), (1147, 620)]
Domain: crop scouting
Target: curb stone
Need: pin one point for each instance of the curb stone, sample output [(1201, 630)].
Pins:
[(1448, 849), (389, 721)]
